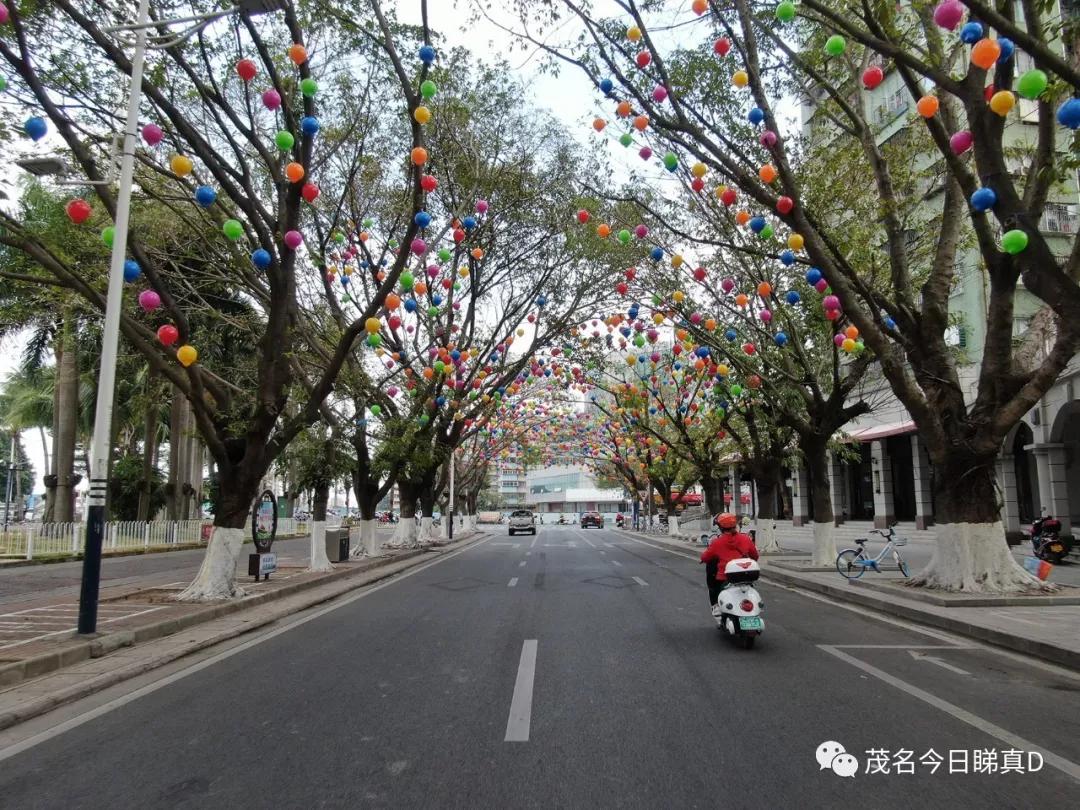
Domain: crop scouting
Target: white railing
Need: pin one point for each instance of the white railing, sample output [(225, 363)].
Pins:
[(35, 540)]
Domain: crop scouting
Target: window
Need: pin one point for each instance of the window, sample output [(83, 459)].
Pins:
[(1059, 218)]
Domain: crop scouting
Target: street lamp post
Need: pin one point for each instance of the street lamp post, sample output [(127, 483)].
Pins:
[(450, 508), (100, 446)]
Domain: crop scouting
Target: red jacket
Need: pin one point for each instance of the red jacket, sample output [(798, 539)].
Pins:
[(728, 546)]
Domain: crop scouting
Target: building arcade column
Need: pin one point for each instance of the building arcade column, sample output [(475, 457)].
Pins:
[(924, 499), (881, 470), (837, 488), (800, 497)]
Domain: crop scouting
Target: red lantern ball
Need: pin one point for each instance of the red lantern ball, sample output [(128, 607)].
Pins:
[(784, 205), (582, 216), (697, 184), (246, 69), (728, 197), (643, 59), (78, 211), (428, 183), (872, 77), (309, 192), (459, 235), (722, 46), (168, 334)]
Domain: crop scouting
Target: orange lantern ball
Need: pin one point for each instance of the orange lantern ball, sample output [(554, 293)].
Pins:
[(477, 253), (767, 173), (985, 53), (928, 106), (851, 332), (295, 172), (623, 110), (741, 300), (418, 156), (420, 288), (603, 231), (764, 289), (298, 53), (392, 301), (641, 123), (598, 124), (742, 217), (381, 276)]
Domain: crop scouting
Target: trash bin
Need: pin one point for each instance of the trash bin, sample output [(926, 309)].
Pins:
[(337, 544)]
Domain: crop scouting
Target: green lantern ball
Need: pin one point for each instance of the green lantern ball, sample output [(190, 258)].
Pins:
[(368, 222), (457, 286), (374, 341), (232, 229), (440, 367), (671, 160), (393, 243), (444, 254), (339, 237), (3, 84), (406, 280), (736, 389), (835, 45), (1014, 242), (785, 12), (428, 89), (107, 235), (433, 311), (375, 410), (624, 236), (424, 419), (766, 232), (626, 139), (309, 87), (1032, 84), (284, 140)]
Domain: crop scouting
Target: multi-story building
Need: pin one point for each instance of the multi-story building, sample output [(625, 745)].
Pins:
[(506, 484), (570, 489)]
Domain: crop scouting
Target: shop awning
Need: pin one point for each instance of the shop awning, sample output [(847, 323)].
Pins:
[(869, 434)]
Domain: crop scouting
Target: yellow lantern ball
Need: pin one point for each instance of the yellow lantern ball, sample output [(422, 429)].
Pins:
[(187, 355), (1002, 101), (657, 318), (740, 78), (633, 33), (723, 370), (698, 169), (372, 325), (181, 165), (848, 345), (677, 261), (678, 296), (421, 115), (796, 241)]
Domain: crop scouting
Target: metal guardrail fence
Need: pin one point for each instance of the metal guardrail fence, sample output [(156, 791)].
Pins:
[(30, 540)]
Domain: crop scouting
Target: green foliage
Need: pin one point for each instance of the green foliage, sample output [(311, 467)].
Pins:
[(24, 472), (126, 485)]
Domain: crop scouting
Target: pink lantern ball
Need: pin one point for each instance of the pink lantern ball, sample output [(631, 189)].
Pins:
[(457, 306), (3, 14), (838, 338), (768, 139), (418, 246), (948, 14), (410, 328), (293, 239), (727, 285), (433, 270), (481, 206), (765, 315), (149, 300), (152, 134), (641, 231), (271, 99), (961, 141), (695, 317), (830, 302), (822, 285), (645, 153), (392, 391), (659, 94)]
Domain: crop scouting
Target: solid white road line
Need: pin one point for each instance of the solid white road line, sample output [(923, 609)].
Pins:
[(1012, 740), (522, 563), (520, 719), (105, 708), (533, 543), (616, 562), (639, 581), (512, 582)]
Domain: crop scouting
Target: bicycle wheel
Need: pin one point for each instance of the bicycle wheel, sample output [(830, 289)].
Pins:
[(902, 565), (847, 563)]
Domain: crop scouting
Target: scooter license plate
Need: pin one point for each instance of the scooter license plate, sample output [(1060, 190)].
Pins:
[(751, 623), (1056, 547)]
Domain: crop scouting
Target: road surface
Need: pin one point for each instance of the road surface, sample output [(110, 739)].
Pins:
[(576, 669)]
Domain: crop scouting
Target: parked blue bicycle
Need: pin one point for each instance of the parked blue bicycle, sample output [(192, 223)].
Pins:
[(853, 562)]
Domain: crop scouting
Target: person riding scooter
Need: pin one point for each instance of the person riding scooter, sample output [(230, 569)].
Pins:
[(730, 544)]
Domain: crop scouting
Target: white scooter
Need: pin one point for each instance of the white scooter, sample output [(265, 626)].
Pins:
[(740, 604)]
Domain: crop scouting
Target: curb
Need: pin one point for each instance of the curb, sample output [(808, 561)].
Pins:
[(1038, 649), (15, 673)]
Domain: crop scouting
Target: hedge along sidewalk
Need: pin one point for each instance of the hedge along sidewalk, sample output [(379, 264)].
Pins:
[(1042, 627), (81, 667)]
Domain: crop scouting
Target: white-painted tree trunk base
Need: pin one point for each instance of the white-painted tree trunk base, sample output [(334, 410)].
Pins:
[(765, 537), (974, 558), (318, 559), (673, 526), (367, 545), (444, 527), (404, 533), (217, 575), (824, 544), (428, 533)]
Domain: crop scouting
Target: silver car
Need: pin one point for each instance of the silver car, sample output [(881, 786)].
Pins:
[(522, 521)]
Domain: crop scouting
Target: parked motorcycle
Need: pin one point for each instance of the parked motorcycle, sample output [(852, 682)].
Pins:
[(1047, 542), (740, 604)]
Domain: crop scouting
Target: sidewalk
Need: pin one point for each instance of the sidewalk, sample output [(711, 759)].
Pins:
[(43, 664), (1046, 627)]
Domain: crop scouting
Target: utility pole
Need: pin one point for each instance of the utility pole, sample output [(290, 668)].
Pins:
[(10, 479), (450, 506)]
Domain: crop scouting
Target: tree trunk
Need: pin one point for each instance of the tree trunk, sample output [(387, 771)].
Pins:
[(817, 462), (319, 560), (713, 487), (766, 487), (971, 554), (217, 576), (427, 508), (67, 416), (149, 446), (177, 454), (405, 533)]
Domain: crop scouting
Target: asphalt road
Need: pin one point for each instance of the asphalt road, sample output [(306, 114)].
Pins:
[(595, 655)]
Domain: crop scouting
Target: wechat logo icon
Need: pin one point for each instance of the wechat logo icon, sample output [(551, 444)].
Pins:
[(833, 756)]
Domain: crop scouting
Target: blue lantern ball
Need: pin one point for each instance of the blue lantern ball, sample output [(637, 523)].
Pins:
[(731, 335), (756, 116), (792, 297), (657, 254), (422, 218), (971, 33), (788, 258), (983, 200), (309, 125), (607, 85), (132, 271), (469, 223), (1007, 48), (436, 299), (1068, 114), (780, 339), (261, 258), (427, 54), (702, 351), (813, 275), (541, 300), (757, 224), (205, 196), (410, 305), (889, 323), (36, 127)]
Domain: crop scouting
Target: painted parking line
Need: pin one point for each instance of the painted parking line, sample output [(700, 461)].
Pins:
[(640, 581), (520, 719), (513, 581), (71, 628)]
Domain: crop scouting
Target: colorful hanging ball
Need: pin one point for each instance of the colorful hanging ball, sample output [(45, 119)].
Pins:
[(187, 355), (261, 258), (108, 233), (889, 323), (928, 106), (418, 246), (309, 192), (426, 54), (961, 141), (624, 236), (1002, 102), (421, 115), (792, 297), (1014, 241), (1032, 84), (167, 334), (78, 211), (309, 125), (740, 78), (643, 59), (132, 271), (418, 156), (429, 183), (1007, 48), (428, 89), (295, 172), (821, 286), (422, 218), (872, 77), (948, 14), (149, 300), (787, 257), (246, 69), (298, 53), (1068, 114), (671, 161), (583, 216), (293, 239), (232, 228), (731, 335), (722, 46), (780, 339), (35, 127), (835, 45), (765, 315), (657, 253), (984, 53), (481, 207), (271, 99), (830, 302), (152, 134), (971, 33), (785, 12), (757, 224), (983, 199), (309, 87), (205, 196), (785, 205), (660, 94), (756, 115), (768, 139), (606, 86)]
